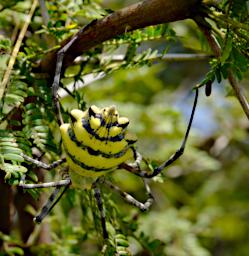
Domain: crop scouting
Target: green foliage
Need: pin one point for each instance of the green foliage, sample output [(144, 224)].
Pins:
[(16, 94), (201, 202), (231, 19), (4, 45), (140, 36), (37, 120), (10, 157)]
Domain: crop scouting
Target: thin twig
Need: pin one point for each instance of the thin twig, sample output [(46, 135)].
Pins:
[(214, 45), (92, 77), (168, 57), (238, 92), (16, 49)]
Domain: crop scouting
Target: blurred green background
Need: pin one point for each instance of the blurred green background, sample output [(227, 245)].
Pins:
[(201, 201)]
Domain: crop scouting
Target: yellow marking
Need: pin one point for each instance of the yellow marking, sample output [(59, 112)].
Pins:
[(95, 109), (114, 131), (83, 172), (78, 114), (105, 146), (83, 156), (123, 120), (94, 123), (90, 166)]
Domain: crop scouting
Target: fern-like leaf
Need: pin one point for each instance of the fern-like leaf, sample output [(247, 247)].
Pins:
[(10, 157), (17, 91), (36, 126)]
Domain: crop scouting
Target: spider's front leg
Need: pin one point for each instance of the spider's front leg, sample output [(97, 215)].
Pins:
[(42, 164), (46, 167), (136, 169), (58, 69)]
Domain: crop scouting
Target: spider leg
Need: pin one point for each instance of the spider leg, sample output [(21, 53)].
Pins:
[(59, 61), (130, 199), (98, 198), (60, 183), (43, 165), (173, 158), (56, 82), (52, 201), (137, 157)]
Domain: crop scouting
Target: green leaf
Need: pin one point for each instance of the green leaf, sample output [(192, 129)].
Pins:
[(227, 49), (13, 171), (12, 157)]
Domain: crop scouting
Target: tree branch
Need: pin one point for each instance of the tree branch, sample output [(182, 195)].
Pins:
[(139, 15), (231, 78)]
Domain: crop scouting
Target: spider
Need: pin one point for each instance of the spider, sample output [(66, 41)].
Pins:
[(96, 143)]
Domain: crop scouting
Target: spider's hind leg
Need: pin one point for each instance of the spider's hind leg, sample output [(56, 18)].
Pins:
[(52, 201), (57, 193), (60, 188), (98, 198), (130, 199)]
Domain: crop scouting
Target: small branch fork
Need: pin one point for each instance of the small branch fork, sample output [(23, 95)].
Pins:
[(231, 78)]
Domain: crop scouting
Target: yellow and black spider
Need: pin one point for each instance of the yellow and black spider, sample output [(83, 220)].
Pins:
[(96, 142)]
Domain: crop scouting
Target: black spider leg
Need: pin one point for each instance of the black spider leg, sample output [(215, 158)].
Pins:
[(59, 61), (56, 82), (137, 157), (52, 201), (173, 158), (46, 167), (60, 183), (98, 198), (43, 165), (130, 199)]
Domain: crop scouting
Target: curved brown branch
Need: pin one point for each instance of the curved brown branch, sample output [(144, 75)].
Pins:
[(139, 15)]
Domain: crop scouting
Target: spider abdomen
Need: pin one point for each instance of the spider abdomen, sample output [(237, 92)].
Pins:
[(96, 141)]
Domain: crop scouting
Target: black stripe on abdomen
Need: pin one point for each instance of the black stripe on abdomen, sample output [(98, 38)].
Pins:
[(92, 151), (87, 127), (84, 166)]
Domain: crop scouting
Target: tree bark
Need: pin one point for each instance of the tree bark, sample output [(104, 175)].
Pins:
[(139, 15), (6, 212)]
